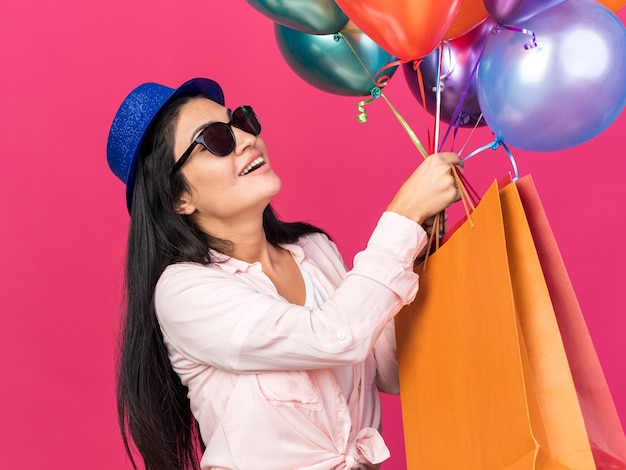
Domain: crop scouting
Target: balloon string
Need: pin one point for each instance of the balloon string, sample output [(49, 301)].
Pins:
[(420, 81), (471, 134), (407, 128), (471, 193), (376, 92), (381, 80), (438, 88), (362, 116), (434, 235), (457, 111), (350, 31), (466, 198), (494, 146), (529, 45)]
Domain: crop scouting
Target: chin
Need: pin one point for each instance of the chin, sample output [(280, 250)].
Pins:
[(276, 184), (266, 192)]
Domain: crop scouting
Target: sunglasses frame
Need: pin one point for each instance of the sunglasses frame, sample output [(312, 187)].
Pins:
[(247, 110)]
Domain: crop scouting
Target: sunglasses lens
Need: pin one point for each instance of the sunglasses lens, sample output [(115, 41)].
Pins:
[(245, 119), (218, 139)]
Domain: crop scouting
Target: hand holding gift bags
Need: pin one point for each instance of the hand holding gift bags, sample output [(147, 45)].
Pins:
[(488, 377)]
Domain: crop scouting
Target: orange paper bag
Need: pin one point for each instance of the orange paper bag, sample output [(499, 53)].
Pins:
[(484, 377), (604, 429)]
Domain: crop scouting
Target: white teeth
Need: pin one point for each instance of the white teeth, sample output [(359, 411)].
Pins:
[(257, 162)]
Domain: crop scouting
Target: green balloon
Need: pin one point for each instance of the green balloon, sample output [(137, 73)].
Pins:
[(310, 16), (329, 63)]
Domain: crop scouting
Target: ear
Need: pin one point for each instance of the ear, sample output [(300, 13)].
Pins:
[(184, 205)]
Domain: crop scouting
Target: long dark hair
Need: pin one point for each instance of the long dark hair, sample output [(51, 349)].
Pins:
[(153, 407)]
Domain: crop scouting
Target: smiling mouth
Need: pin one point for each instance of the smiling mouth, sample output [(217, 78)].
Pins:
[(256, 164)]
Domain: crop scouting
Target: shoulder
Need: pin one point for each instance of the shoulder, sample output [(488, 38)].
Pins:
[(318, 244), (182, 279), (179, 272), (191, 291)]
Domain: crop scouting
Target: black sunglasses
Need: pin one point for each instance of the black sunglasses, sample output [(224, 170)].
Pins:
[(218, 137)]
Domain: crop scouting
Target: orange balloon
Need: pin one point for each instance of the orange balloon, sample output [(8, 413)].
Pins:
[(407, 29), (472, 13), (614, 5)]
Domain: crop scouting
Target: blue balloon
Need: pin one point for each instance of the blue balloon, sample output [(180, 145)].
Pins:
[(329, 63), (563, 92), (310, 16)]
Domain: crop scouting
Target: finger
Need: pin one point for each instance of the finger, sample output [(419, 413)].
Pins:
[(450, 157), (456, 167), (429, 223)]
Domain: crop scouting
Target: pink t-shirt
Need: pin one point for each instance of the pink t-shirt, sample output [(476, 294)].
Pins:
[(279, 386)]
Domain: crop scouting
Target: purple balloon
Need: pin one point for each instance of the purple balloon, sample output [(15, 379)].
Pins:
[(563, 92), (516, 11), (460, 57)]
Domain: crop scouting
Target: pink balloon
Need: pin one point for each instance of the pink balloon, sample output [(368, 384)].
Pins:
[(458, 68), (515, 11)]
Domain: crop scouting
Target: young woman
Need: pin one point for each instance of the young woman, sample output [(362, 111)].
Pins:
[(245, 343)]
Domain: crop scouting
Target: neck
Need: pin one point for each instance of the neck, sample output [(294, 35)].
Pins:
[(247, 236)]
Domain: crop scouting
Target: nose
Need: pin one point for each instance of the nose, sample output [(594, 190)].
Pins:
[(243, 140)]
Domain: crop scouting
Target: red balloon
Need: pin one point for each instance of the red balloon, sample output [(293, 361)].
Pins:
[(407, 29)]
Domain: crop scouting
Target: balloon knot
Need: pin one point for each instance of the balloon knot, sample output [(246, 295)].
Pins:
[(464, 118), (375, 92)]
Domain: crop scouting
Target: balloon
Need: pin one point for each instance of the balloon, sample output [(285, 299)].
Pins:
[(310, 16), (614, 5), (407, 29), (516, 11), (460, 57), (563, 92), (328, 63), (472, 13)]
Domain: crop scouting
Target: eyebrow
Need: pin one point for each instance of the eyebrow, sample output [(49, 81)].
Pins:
[(201, 127)]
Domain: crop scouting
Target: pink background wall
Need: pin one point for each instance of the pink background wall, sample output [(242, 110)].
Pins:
[(66, 66)]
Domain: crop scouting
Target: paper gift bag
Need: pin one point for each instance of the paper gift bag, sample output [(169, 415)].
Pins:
[(604, 429), (484, 378)]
